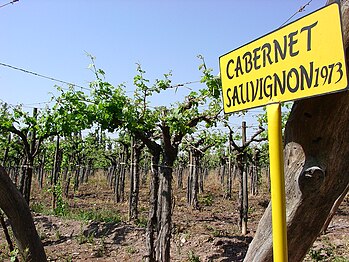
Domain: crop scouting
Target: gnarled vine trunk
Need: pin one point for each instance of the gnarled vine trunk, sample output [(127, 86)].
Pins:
[(16, 209), (316, 169)]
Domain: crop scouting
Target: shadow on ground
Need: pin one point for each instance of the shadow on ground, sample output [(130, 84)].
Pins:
[(232, 248)]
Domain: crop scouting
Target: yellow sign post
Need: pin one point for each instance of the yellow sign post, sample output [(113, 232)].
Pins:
[(277, 181), (303, 59)]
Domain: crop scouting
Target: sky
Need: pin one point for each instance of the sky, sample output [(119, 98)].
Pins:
[(52, 38)]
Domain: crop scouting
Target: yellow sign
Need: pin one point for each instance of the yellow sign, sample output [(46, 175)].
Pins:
[(303, 59)]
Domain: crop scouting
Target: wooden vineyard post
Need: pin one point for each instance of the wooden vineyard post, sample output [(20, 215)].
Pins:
[(244, 185)]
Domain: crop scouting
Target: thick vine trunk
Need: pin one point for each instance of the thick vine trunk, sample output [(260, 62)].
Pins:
[(28, 179), (202, 175), (76, 177), (152, 218), (180, 171), (190, 177), (55, 173), (164, 214), (41, 172), (316, 169), (134, 180), (193, 181), (16, 209), (194, 202)]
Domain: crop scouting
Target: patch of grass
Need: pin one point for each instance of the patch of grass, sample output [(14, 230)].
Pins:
[(58, 235), (131, 250), (3, 253), (340, 259), (206, 200), (142, 222), (251, 210), (82, 238), (69, 259), (14, 255), (101, 249), (38, 208), (192, 257), (102, 215), (326, 253), (215, 232), (61, 208), (41, 234)]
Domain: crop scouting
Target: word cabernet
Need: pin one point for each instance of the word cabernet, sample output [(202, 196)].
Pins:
[(302, 59), (268, 53)]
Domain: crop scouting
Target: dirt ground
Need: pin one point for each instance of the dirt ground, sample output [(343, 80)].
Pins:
[(208, 234)]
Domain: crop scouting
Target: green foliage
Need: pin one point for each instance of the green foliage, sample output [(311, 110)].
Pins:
[(142, 222), (131, 250), (38, 208), (72, 112), (326, 253), (14, 255), (101, 250), (99, 215), (212, 82), (82, 238), (192, 257), (61, 206), (215, 232), (206, 199), (21, 123)]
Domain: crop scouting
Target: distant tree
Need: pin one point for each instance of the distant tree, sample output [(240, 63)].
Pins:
[(32, 131), (241, 158)]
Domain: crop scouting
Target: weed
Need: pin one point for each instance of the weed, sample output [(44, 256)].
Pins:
[(131, 250), (251, 210), (42, 235), (58, 235), (326, 253), (206, 200), (340, 259), (142, 222), (215, 232), (14, 255), (3, 253), (192, 257), (103, 215), (25, 254), (61, 206), (82, 238), (69, 259), (38, 208), (315, 254), (101, 249)]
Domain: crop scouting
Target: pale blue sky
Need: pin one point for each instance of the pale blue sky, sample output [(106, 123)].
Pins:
[(51, 38)]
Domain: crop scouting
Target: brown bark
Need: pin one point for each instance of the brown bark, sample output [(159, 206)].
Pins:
[(164, 215), (7, 234), (16, 209), (136, 150), (152, 218), (316, 169), (334, 210)]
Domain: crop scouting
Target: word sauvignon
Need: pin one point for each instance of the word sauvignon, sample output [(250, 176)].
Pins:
[(293, 80)]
